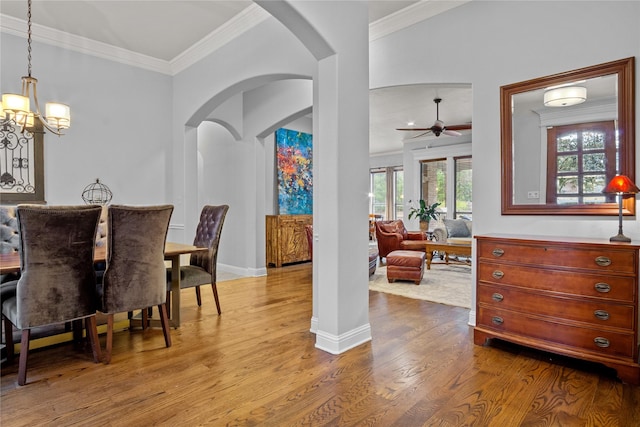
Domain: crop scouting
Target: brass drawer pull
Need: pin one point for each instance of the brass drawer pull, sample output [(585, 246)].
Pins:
[(602, 287), (603, 261), (601, 342), (497, 252), (497, 274), (601, 314), (497, 297), (497, 320)]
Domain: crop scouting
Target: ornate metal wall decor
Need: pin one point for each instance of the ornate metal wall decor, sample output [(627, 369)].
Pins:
[(21, 164)]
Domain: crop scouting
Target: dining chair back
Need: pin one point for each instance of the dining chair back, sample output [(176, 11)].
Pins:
[(135, 276), (202, 265), (57, 280)]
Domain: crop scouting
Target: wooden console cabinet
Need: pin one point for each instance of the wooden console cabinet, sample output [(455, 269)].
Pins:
[(575, 297), (286, 239)]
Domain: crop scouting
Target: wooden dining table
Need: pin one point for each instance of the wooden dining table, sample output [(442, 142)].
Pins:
[(10, 263)]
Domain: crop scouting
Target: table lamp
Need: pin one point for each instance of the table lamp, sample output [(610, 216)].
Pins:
[(620, 185)]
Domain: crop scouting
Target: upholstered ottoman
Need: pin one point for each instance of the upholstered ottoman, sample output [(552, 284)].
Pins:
[(373, 260), (405, 265)]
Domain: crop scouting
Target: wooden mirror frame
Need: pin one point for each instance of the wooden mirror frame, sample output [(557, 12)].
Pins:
[(624, 69)]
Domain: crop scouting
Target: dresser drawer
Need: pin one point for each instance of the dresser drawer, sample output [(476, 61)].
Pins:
[(580, 338), (612, 287), (600, 259), (601, 314)]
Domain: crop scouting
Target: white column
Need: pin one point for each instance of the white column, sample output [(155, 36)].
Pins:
[(341, 178)]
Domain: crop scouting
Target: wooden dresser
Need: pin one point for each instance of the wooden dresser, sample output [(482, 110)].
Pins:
[(286, 239), (575, 297)]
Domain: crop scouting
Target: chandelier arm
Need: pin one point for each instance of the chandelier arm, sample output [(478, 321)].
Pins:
[(23, 115), (46, 125)]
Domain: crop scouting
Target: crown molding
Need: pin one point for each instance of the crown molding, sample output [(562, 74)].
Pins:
[(245, 20), (42, 34), (410, 15), (248, 18)]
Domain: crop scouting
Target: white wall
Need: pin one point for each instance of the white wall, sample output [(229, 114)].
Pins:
[(490, 44), (120, 128), (227, 167), (246, 63), (494, 43), (125, 132)]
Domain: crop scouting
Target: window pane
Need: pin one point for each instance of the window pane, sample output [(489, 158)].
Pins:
[(567, 163), (593, 162), (567, 185), (568, 142), (398, 179), (593, 183), (593, 140), (567, 200), (463, 186), (434, 182), (379, 192), (594, 199)]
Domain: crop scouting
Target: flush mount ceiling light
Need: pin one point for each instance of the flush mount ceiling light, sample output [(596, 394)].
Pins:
[(17, 108), (565, 96)]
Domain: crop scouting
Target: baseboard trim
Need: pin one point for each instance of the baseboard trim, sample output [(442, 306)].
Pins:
[(242, 271), (337, 344)]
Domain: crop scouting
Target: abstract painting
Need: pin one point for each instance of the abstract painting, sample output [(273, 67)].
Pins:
[(295, 172)]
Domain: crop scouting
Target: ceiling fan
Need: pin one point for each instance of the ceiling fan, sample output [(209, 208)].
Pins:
[(439, 126)]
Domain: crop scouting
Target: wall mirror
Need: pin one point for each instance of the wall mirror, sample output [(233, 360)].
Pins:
[(563, 137)]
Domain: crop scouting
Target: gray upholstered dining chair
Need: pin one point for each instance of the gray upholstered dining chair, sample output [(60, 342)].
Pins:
[(135, 277), (57, 281), (202, 265)]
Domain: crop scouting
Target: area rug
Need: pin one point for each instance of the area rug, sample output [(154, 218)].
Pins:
[(444, 284)]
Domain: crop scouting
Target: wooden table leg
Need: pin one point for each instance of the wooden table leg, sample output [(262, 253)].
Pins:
[(174, 316), (429, 257)]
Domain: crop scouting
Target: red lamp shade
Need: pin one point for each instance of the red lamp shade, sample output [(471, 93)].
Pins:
[(621, 184)]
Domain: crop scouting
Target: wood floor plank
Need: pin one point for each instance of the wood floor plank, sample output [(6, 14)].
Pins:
[(257, 365)]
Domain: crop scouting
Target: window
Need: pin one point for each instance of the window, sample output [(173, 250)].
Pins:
[(387, 190), (581, 159), (434, 180), (437, 186), (463, 187)]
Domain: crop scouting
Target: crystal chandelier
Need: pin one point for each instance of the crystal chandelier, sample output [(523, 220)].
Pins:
[(17, 108)]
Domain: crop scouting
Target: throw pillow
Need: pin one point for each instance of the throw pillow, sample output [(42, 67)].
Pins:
[(457, 228)]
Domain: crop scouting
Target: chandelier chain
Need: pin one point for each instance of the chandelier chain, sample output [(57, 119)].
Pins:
[(29, 38)]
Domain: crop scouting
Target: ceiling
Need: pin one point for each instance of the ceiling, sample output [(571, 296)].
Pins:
[(166, 29)]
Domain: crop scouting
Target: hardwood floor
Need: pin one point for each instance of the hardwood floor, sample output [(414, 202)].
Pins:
[(257, 365)]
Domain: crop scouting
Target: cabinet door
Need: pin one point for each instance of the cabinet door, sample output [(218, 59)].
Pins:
[(294, 246)]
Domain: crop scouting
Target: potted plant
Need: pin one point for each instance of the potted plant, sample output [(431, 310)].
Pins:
[(424, 213)]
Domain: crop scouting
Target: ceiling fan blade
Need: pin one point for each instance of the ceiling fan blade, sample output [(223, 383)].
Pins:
[(466, 126), (420, 134), (451, 132), (414, 129)]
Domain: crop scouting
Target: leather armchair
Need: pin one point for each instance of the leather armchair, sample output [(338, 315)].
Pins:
[(392, 235)]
